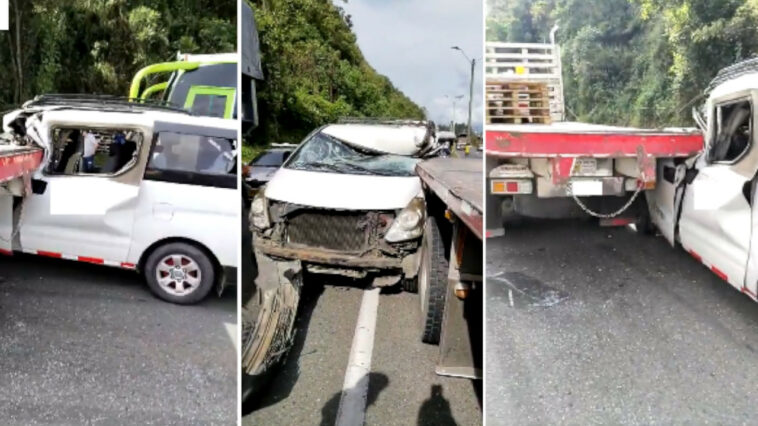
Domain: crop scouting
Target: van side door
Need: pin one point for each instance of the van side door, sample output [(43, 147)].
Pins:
[(716, 216), (85, 213), (189, 191)]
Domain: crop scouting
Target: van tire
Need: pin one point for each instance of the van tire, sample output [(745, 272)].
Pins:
[(432, 282), (195, 258)]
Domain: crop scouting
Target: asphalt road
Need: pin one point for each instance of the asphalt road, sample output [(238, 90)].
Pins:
[(595, 326), (403, 388), (85, 344)]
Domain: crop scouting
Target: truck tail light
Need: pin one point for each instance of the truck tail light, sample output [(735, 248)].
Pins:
[(511, 186)]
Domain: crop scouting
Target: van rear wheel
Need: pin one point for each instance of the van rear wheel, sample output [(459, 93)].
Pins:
[(179, 273)]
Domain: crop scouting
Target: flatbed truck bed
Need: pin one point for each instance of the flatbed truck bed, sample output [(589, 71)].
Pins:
[(457, 183)]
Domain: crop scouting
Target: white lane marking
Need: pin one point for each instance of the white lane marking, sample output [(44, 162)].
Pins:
[(231, 329), (352, 409), (510, 296)]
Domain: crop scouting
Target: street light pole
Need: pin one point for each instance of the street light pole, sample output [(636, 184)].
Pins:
[(452, 123), (471, 90), (455, 110)]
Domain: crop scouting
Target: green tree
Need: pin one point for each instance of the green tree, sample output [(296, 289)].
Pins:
[(315, 73), (96, 46), (634, 62)]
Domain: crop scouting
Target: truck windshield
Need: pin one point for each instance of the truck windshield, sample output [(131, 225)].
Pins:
[(325, 153)]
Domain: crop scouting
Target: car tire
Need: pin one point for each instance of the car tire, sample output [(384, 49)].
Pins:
[(432, 282), (268, 331), (195, 274)]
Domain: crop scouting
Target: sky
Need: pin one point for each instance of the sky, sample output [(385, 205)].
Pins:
[(410, 42)]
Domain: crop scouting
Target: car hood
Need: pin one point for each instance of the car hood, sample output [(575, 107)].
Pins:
[(343, 191)]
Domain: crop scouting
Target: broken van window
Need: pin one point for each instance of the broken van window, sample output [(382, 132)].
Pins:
[(733, 131), (81, 151), (193, 153), (325, 153)]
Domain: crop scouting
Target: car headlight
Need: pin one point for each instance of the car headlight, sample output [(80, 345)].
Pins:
[(259, 211), (409, 224)]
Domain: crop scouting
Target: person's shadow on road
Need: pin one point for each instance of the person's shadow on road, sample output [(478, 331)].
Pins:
[(435, 410)]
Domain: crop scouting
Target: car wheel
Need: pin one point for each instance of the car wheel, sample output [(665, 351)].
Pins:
[(179, 273), (432, 282), (268, 330)]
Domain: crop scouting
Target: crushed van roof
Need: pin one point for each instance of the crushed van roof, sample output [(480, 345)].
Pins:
[(400, 139)]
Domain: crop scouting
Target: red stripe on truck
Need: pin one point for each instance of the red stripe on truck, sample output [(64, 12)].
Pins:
[(587, 144), (695, 255), (128, 265)]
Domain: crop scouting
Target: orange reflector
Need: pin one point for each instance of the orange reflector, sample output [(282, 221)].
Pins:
[(462, 290), (515, 186)]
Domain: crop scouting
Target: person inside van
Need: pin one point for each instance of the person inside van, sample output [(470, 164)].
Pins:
[(120, 152), (90, 148)]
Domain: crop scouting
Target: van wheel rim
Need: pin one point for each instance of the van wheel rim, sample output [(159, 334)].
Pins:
[(178, 274)]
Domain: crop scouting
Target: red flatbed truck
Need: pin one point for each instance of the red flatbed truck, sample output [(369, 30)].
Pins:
[(18, 161), (568, 169)]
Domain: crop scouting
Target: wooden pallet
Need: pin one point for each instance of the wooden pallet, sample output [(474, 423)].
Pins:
[(518, 102)]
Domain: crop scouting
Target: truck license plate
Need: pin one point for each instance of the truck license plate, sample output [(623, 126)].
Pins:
[(587, 187), (584, 166)]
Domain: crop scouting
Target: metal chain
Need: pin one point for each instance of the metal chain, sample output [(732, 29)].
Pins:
[(586, 209)]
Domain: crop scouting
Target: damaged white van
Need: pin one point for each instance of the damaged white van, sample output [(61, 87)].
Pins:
[(707, 203), (131, 185), (347, 202)]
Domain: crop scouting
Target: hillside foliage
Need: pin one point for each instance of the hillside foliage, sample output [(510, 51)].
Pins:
[(634, 62), (96, 46), (314, 72)]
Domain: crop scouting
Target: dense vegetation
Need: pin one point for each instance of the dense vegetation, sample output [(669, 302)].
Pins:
[(638, 62), (96, 46), (315, 73)]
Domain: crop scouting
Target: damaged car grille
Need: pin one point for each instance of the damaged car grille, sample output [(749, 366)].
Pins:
[(336, 230)]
